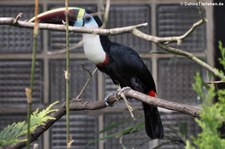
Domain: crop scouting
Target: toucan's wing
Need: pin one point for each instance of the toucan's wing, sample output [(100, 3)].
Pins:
[(129, 61)]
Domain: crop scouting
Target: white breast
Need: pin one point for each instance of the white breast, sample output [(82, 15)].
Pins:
[(93, 48)]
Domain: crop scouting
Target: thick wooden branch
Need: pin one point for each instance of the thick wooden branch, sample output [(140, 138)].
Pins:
[(79, 105), (186, 109)]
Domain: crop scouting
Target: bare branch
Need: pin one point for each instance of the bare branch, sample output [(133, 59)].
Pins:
[(114, 31), (18, 17), (215, 82), (200, 10), (177, 39), (177, 51), (187, 109), (78, 105), (106, 14), (133, 29), (195, 59)]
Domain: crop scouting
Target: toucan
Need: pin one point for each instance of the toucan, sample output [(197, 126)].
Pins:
[(123, 64)]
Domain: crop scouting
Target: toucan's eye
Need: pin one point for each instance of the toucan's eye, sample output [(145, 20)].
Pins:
[(87, 19)]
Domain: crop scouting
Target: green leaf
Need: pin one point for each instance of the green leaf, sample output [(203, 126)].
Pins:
[(15, 132)]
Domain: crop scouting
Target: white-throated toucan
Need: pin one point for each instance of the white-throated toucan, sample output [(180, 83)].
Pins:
[(121, 63)]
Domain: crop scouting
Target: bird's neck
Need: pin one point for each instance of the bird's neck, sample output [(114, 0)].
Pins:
[(94, 48)]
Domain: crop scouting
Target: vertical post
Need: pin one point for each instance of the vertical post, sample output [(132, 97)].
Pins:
[(154, 59)]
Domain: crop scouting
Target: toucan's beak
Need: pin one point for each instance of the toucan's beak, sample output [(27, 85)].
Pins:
[(57, 16)]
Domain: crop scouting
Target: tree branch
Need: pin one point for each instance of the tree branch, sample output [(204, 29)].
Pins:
[(80, 105), (128, 29), (159, 40), (56, 27), (177, 39)]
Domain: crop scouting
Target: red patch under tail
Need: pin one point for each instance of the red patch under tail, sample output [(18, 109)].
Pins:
[(152, 93)]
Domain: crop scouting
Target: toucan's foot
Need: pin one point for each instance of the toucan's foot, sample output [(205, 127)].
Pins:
[(107, 98), (122, 90), (121, 94)]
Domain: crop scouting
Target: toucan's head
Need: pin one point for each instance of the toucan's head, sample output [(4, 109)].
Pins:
[(78, 17)]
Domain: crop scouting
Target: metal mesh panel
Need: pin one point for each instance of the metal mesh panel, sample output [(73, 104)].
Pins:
[(83, 130), (175, 80), (136, 140), (175, 20), (174, 124), (78, 78), (130, 15), (15, 39), (57, 40), (9, 119), (15, 77)]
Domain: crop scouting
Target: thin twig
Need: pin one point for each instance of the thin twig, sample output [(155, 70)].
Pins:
[(177, 51), (200, 10), (18, 17), (62, 51), (177, 39), (106, 14), (215, 82), (87, 82), (29, 91), (67, 78), (195, 59)]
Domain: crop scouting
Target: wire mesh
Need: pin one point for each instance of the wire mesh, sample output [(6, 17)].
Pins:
[(15, 39), (127, 15), (15, 77), (78, 77), (173, 20), (176, 76), (177, 127), (117, 122), (83, 129)]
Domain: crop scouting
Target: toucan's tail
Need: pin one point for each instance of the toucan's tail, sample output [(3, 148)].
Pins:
[(153, 123)]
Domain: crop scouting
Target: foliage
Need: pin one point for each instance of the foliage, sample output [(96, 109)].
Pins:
[(212, 115), (222, 51), (15, 132)]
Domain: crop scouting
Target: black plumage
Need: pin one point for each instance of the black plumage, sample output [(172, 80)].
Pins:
[(126, 68)]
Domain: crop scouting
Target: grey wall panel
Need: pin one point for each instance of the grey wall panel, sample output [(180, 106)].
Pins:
[(174, 20), (15, 77), (15, 39)]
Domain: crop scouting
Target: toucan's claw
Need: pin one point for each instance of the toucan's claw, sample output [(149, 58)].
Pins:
[(122, 90), (107, 99)]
